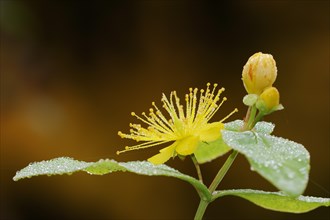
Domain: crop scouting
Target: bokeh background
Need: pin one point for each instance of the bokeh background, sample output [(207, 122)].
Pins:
[(72, 71)]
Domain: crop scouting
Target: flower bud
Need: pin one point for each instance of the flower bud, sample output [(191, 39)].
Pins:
[(269, 101), (259, 73)]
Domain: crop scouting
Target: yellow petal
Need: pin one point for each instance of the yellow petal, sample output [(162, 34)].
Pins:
[(187, 145), (211, 132), (164, 155)]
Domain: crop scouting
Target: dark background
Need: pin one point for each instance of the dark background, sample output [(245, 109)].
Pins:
[(72, 71)]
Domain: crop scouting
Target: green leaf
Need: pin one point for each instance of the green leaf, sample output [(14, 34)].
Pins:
[(65, 165), (276, 201), (282, 162), (260, 127), (234, 125), (264, 127), (58, 166), (207, 151)]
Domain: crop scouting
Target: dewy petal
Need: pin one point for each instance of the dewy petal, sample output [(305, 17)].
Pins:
[(164, 155), (211, 132), (187, 145)]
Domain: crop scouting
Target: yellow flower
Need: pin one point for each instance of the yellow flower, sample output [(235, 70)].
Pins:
[(259, 73), (186, 128)]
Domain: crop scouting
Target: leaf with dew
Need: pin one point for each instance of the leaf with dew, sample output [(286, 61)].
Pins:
[(276, 201), (65, 165), (282, 162)]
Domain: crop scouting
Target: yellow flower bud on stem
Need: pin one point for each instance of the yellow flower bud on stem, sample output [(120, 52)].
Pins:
[(259, 73), (269, 101)]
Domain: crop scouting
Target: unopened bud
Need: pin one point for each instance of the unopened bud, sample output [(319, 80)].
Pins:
[(259, 73), (269, 101)]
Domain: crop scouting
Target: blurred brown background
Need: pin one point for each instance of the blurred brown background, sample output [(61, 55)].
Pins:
[(72, 71)]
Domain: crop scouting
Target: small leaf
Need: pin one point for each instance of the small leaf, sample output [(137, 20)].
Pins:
[(260, 127), (65, 165), (276, 201), (282, 162), (236, 125), (264, 127), (207, 151)]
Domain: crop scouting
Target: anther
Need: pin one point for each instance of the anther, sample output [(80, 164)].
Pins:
[(133, 113)]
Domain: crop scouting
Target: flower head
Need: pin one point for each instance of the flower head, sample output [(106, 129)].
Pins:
[(259, 73), (186, 128)]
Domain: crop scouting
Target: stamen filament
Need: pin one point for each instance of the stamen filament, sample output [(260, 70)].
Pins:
[(141, 146), (230, 114)]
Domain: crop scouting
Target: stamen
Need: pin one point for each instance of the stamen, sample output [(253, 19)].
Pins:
[(154, 123), (187, 106), (179, 107), (201, 101), (171, 103), (230, 114), (161, 116), (216, 107), (166, 129), (169, 108), (214, 87), (121, 134), (141, 119), (193, 108), (141, 146)]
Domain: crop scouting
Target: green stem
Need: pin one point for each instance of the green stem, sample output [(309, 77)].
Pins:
[(198, 169), (222, 172), (201, 209), (247, 116), (250, 122), (257, 119)]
